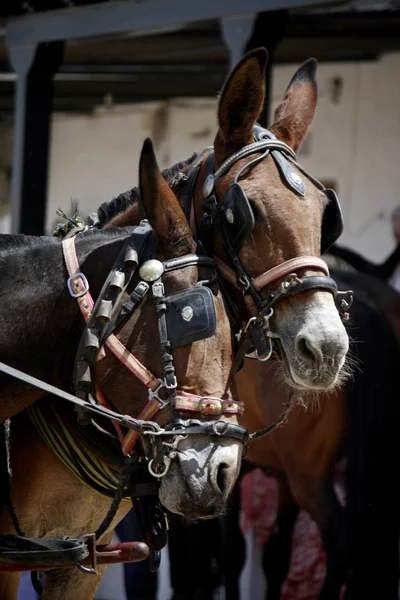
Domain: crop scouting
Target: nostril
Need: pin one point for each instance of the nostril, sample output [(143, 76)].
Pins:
[(222, 476), (306, 350)]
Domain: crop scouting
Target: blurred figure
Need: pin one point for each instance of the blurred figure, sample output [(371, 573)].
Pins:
[(26, 591)]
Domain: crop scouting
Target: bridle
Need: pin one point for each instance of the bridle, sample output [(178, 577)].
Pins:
[(233, 218), (183, 317)]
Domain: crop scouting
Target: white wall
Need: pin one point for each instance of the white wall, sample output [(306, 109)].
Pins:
[(94, 158), (354, 142)]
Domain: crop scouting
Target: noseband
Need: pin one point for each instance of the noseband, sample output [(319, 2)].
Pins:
[(233, 217)]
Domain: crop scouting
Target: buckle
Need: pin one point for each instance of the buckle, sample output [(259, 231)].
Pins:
[(220, 427), (209, 406), (90, 540), (289, 283), (85, 283), (171, 386), (155, 394)]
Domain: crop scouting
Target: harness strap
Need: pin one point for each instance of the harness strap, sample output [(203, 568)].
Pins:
[(287, 267), (301, 262), (259, 282), (79, 288)]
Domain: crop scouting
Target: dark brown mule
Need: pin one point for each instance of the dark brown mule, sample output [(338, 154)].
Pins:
[(40, 333)]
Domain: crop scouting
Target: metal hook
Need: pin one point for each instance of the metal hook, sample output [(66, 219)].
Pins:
[(167, 462), (269, 354)]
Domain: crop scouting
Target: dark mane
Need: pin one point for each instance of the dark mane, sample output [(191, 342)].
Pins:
[(119, 204)]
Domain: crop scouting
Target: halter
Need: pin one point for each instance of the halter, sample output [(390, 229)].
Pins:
[(234, 218), (103, 317)]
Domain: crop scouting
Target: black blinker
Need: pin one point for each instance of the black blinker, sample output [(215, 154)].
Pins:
[(236, 215), (332, 221), (190, 316)]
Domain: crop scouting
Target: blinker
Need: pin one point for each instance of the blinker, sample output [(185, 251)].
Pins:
[(190, 316), (238, 214), (332, 221), (151, 270)]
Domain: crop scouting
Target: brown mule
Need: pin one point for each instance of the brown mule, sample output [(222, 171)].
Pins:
[(262, 213), (276, 225)]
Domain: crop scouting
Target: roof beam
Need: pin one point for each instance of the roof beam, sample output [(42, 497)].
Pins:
[(133, 17)]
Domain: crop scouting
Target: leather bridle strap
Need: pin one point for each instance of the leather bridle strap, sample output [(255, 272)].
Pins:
[(289, 266), (278, 272), (79, 289)]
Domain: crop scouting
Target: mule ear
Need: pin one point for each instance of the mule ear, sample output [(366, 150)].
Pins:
[(242, 97), (161, 206), (295, 114)]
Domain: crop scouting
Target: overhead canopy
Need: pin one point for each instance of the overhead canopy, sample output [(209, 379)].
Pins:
[(136, 50), (190, 60)]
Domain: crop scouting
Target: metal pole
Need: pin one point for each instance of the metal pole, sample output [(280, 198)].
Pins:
[(35, 66)]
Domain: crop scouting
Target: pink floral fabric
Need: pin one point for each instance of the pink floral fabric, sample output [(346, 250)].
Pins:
[(259, 495)]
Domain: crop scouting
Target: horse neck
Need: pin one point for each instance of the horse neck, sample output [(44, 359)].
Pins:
[(41, 323)]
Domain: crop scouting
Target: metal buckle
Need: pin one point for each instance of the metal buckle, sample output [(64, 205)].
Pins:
[(171, 386), (222, 430), (158, 289), (155, 394), (289, 283), (203, 405), (85, 282), (90, 541)]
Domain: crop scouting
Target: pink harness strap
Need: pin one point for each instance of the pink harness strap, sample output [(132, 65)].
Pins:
[(79, 289), (287, 267)]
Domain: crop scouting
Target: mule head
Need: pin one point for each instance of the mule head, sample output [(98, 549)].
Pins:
[(283, 224), (205, 467)]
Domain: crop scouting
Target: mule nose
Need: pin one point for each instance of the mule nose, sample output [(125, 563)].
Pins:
[(308, 349), (315, 347), (221, 478)]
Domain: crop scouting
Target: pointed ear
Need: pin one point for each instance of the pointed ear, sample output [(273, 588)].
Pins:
[(295, 114), (242, 97), (161, 206)]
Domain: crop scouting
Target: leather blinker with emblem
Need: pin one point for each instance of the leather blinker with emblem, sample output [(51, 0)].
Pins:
[(190, 316), (237, 215)]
